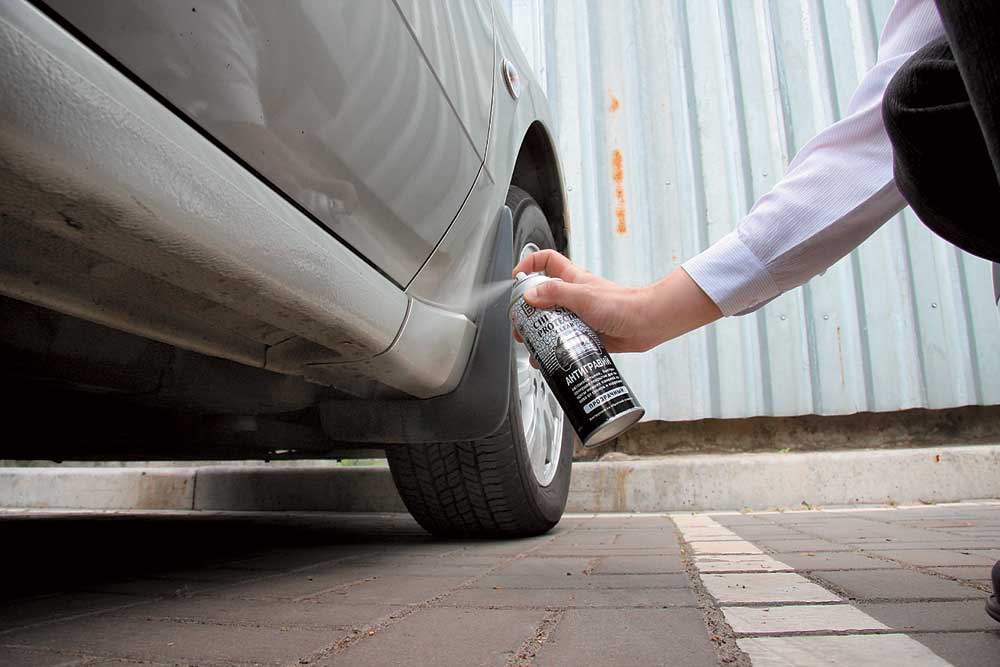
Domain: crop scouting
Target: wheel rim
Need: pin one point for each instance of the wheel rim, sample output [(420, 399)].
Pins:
[(541, 416)]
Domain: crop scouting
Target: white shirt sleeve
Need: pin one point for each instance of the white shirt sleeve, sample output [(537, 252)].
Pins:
[(837, 191)]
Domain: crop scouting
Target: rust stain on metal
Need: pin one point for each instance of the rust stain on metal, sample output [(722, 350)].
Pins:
[(615, 104), (618, 176)]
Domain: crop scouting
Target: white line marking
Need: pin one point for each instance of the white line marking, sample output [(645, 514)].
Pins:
[(740, 563), (799, 618), (766, 587), (854, 650), (757, 589), (729, 547)]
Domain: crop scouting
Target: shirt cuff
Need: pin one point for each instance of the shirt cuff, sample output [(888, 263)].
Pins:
[(732, 276)]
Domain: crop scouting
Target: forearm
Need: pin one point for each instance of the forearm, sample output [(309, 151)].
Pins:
[(837, 191), (676, 305)]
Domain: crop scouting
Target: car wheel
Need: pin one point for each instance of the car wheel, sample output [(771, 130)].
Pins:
[(514, 482)]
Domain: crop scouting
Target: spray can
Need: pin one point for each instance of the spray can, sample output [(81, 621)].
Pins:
[(575, 365)]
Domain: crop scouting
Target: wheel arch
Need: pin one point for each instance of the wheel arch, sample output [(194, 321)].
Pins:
[(536, 171)]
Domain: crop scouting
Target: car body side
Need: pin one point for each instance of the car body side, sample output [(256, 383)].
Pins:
[(364, 339)]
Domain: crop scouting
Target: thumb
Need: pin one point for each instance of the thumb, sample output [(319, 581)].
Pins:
[(558, 293)]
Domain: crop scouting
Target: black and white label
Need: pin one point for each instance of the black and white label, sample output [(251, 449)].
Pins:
[(575, 365)]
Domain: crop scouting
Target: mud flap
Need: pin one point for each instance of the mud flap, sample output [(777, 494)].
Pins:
[(476, 408)]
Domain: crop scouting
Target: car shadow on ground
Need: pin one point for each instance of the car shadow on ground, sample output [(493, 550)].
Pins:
[(60, 553)]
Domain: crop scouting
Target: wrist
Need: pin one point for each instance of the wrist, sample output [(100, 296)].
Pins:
[(677, 305)]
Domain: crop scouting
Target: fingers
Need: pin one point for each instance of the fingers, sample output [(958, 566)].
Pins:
[(551, 263), (578, 298)]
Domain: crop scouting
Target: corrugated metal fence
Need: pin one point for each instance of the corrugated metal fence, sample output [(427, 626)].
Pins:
[(699, 105)]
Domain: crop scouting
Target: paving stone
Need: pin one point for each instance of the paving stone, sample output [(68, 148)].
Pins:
[(587, 538), (571, 598), (977, 649), (29, 657), (401, 558), (932, 616), (274, 614), (855, 650), (635, 538), (712, 536), (647, 538), (114, 662), (594, 550), (950, 524), (737, 547), (977, 574), (391, 589), (445, 637), (639, 565), (627, 522), (673, 580), (765, 587), (886, 532), (740, 563), (752, 533), (456, 549), (18, 613), (553, 567), (708, 533), (210, 574), (943, 540), (429, 567), (836, 560), (343, 554), (151, 587), (799, 618), (688, 520), (737, 520), (295, 585), (898, 584), (629, 637), (287, 559), (193, 642), (936, 557), (951, 541), (793, 546), (495, 549)]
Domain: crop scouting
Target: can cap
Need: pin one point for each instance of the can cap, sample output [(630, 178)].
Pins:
[(524, 282)]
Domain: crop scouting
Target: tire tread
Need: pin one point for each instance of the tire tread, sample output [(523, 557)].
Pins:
[(471, 488)]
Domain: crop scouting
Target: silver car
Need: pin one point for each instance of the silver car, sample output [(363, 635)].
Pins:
[(244, 229)]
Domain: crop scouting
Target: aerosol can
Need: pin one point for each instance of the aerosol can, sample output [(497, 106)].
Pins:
[(575, 365)]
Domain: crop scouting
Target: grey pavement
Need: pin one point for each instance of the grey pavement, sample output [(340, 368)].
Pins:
[(872, 586)]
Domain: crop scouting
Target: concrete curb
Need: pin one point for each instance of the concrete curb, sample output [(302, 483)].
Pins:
[(785, 481), (700, 482)]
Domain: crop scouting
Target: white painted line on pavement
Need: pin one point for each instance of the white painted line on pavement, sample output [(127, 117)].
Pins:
[(757, 590), (799, 618), (964, 504), (854, 650), (766, 587), (740, 563), (728, 547)]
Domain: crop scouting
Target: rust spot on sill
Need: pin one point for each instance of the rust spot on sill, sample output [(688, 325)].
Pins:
[(615, 104)]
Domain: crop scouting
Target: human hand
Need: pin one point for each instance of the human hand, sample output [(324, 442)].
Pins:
[(627, 319), (611, 310)]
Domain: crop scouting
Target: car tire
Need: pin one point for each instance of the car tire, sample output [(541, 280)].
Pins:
[(494, 487)]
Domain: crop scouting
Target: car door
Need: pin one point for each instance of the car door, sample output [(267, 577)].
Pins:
[(341, 105)]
